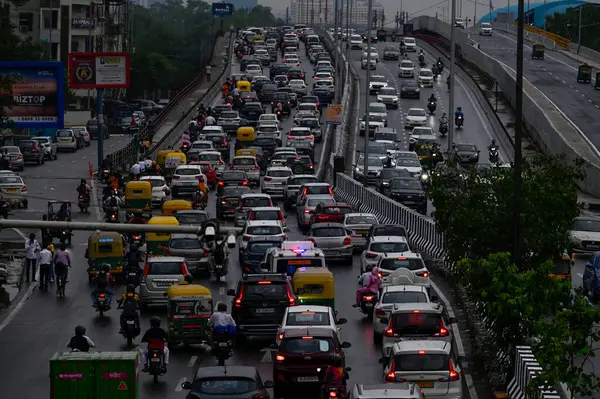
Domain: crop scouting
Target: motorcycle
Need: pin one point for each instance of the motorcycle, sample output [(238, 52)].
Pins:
[(185, 147), (440, 67), (402, 51), (112, 217), (4, 208), (431, 106), (328, 391), (223, 348), (105, 175), (83, 202), (279, 115), (132, 276), (130, 329), (64, 237), (156, 361), (493, 155), (425, 179), (443, 129), (220, 271), (459, 121), (422, 64), (101, 304), (136, 239), (367, 303)]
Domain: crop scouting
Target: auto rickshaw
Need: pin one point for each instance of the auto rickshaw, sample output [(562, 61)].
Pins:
[(243, 85), (562, 267), (314, 286), (189, 307), (537, 51), (584, 73), (161, 156), (105, 247), (246, 152), (156, 243), (138, 195), (172, 161), (246, 136), (172, 206)]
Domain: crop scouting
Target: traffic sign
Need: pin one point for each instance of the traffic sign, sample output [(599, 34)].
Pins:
[(122, 386)]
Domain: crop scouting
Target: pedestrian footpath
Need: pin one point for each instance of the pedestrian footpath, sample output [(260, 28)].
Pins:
[(218, 63)]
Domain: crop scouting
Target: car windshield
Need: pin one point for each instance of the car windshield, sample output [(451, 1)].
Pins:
[(377, 148), (409, 41), (328, 232), (229, 115), (165, 268), (318, 190), (265, 141), (390, 231), (407, 184), (387, 247), (184, 243), (402, 263), (404, 297), (389, 48), (11, 180), (416, 112), (316, 201), (156, 182), (375, 118), (11, 150), (188, 172), (406, 64), (361, 220), (402, 161), (210, 157), (300, 132), (306, 107), (371, 161), (308, 319), (265, 215), (387, 91), (279, 173), (233, 176), (336, 210), (422, 363), (306, 345), (410, 84), (378, 79), (225, 386), (64, 133), (425, 73), (265, 290), (202, 146), (254, 202), (309, 122), (261, 247), (466, 147), (391, 173), (192, 218), (244, 161), (298, 181), (586, 225), (417, 323), (263, 230), (252, 107)]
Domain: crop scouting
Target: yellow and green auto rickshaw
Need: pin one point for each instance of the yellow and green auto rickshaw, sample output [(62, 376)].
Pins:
[(243, 85), (169, 208), (537, 51), (248, 152), (161, 156), (156, 243), (314, 286), (138, 195), (584, 73), (105, 247), (189, 307), (245, 136)]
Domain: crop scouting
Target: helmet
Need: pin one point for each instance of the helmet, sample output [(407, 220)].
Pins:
[(155, 322), (133, 248), (82, 181), (335, 360), (493, 141), (443, 114), (459, 108), (80, 330), (131, 289), (221, 307), (210, 231), (105, 268)]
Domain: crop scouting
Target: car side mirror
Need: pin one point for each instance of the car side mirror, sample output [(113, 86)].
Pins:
[(384, 320), (268, 384), (348, 369), (452, 320), (231, 292), (87, 253), (286, 230), (342, 321), (274, 346), (346, 345), (382, 360), (434, 298)]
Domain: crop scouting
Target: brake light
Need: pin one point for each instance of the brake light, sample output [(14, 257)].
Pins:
[(290, 137), (330, 191), (452, 374), (389, 332), (36, 149), (368, 298), (322, 217), (132, 122), (167, 252), (288, 76), (380, 313), (246, 238), (291, 299), (264, 282), (24, 188), (422, 274), (220, 162), (402, 258), (279, 358), (280, 336), (221, 183), (102, 295), (224, 202), (443, 331), (146, 269), (301, 76), (347, 241), (238, 300), (20, 156), (176, 177), (281, 218), (333, 394), (307, 337), (245, 183), (267, 178), (309, 137), (313, 241), (307, 211), (184, 269), (371, 255)]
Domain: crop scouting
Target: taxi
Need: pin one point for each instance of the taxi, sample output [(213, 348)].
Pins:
[(249, 165), (306, 316)]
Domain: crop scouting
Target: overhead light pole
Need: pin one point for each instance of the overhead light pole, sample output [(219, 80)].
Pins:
[(452, 70), (367, 95), (518, 136)]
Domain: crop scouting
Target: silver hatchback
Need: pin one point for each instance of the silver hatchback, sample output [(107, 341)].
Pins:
[(308, 204), (198, 261), (160, 273), (333, 240)]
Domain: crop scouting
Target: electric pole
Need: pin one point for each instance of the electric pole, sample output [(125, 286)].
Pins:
[(382, 20), (312, 13), (326, 11), (321, 13), (397, 20), (372, 24), (287, 15)]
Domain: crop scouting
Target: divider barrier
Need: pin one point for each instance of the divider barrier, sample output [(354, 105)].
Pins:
[(526, 368)]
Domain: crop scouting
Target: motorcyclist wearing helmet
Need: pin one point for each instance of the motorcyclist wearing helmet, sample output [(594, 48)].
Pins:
[(444, 119), (493, 145), (459, 112), (334, 375), (137, 217), (156, 337), (103, 280), (370, 284), (432, 98), (130, 303), (454, 151), (80, 342), (133, 256), (197, 197)]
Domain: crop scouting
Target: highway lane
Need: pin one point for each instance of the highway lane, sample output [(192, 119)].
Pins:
[(555, 76)]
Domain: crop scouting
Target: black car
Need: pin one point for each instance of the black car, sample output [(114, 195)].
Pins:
[(295, 73), (230, 178), (315, 127), (377, 230), (324, 95), (220, 143), (230, 199), (259, 304), (300, 164), (387, 174), (279, 69), (468, 154), (257, 85), (268, 145), (408, 192), (241, 382), (293, 96), (266, 92), (410, 89), (283, 98), (252, 112)]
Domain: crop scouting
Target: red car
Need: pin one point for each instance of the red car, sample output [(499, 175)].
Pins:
[(301, 358), (330, 213), (209, 172)]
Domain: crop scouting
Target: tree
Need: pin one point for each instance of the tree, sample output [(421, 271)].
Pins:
[(257, 16), (474, 209), (511, 300), (565, 345), (567, 26)]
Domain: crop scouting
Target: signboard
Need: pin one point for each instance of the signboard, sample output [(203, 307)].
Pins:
[(83, 23), (222, 9), (334, 114), (37, 95), (99, 70)]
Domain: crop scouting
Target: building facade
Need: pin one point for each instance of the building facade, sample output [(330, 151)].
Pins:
[(243, 4), (301, 12)]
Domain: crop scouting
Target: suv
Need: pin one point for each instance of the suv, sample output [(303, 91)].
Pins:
[(32, 151), (189, 246), (381, 245), (416, 321), (260, 303), (185, 179), (377, 230), (403, 268), (255, 252), (292, 186), (160, 273), (283, 98)]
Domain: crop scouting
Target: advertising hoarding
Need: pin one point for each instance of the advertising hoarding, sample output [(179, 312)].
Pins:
[(99, 70), (37, 95), (334, 114), (222, 9)]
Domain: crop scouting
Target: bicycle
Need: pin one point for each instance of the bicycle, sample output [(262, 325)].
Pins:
[(60, 284)]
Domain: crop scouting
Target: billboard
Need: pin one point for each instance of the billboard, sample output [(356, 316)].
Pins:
[(334, 114), (99, 70), (222, 9), (37, 95)]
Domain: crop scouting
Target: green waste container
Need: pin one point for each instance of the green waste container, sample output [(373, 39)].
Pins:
[(94, 375)]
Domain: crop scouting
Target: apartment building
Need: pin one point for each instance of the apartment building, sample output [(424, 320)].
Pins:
[(301, 12)]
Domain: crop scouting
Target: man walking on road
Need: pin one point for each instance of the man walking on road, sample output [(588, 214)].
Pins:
[(31, 249), (208, 71), (45, 265)]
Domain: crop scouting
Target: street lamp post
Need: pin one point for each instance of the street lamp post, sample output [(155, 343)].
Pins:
[(518, 136), (367, 95), (452, 70)]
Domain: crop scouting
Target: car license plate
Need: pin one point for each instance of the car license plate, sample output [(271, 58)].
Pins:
[(12, 190), (155, 360), (234, 202), (223, 344), (130, 322), (425, 384), (265, 310), (308, 379), (369, 305)]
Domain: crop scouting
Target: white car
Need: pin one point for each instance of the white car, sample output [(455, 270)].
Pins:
[(300, 134), (358, 225), (378, 246), (372, 64), (215, 159), (415, 117), (377, 82), (323, 64), (425, 78), (253, 70), (260, 228), (485, 29), (374, 54), (585, 234), (273, 180), (306, 316), (410, 44), (395, 294), (379, 109), (323, 76), (460, 23), (434, 368), (356, 41), (185, 179), (267, 118), (269, 128), (403, 268), (87, 139), (406, 69), (418, 132), (375, 122), (388, 96), (407, 160), (159, 189), (202, 145), (14, 190), (298, 86), (325, 83)]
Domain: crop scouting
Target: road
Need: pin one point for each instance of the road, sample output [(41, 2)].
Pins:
[(44, 324), (555, 76)]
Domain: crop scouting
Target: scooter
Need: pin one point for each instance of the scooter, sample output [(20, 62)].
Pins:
[(367, 303), (4, 208), (223, 348), (459, 121), (443, 129), (101, 304), (83, 202), (431, 106), (130, 329)]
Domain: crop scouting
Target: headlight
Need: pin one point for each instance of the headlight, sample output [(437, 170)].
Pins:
[(385, 183), (424, 177), (418, 90)]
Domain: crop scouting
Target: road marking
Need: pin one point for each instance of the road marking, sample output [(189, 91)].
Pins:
[(179, 388), (192, 361), (580, 275), (564, 82)]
